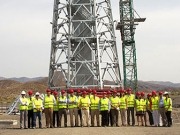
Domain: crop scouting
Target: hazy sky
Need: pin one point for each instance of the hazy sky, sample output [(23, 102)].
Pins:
[(25, 34)]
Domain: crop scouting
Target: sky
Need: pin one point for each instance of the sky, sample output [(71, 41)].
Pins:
[(25, 33)]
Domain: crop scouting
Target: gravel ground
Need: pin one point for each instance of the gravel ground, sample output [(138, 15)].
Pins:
[(14, 130)]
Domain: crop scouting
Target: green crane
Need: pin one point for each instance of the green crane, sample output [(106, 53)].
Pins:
[(127, 26)]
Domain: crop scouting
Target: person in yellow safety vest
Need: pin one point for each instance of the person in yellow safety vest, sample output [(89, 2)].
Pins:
[(84, 104), (23, 106), (162, 111), (48, 102), (123, 107), (30, 109), (130, 106), (72, 106), (95, 109), (63, 108), (37, 110), (78, 95), (104, 108), (115, 102), (149, 109), (55, 110), (168, 108), (155, 108), (139, 109), (144, 103), (110, 122)]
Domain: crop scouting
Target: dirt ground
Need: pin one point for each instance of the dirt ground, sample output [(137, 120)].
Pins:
[(14, 130)]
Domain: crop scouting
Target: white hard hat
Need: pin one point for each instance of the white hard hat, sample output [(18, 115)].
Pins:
[(23, 93), (165, 93), (37, 94)]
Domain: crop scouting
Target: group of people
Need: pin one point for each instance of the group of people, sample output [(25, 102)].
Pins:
[(84, 106)]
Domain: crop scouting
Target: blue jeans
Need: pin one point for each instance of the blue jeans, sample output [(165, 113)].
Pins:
[(39, 115)]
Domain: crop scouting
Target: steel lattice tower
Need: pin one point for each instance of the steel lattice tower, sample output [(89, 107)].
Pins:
[(83, 47), (127, 24)]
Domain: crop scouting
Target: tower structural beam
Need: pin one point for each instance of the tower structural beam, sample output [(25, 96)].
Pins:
[(127, 26), (83, 45)]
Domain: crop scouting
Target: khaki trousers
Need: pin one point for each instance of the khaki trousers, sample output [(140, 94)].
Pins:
[(85, 116), (49, 117), (73, 112), (123, 116), (93, 114)]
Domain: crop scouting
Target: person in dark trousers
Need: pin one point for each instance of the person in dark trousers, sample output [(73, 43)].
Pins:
[(78, 94), (55, 110), (149, 109), (130, 107), (30, 109), (104, 108), (168, 108)]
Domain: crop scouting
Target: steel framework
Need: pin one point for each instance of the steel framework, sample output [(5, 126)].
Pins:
[(83, 47), (127, 24)]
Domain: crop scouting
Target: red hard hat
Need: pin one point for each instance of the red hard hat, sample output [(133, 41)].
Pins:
[(63, 91), (129, 89), (48, 90), (71, 91), (160, 93), (138, 93), (114, 91), (153, 92), (104, 93), (94, 92), (30, 92), (89, 91), (55, 92), (84, 93), (78, 91), (108, 92), (142, 93)]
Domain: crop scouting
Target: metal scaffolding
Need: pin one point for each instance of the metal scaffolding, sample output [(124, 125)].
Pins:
[(127, 26), (83, 47)]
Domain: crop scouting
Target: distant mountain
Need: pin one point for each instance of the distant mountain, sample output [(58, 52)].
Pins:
[(167, 83), (22, 79)]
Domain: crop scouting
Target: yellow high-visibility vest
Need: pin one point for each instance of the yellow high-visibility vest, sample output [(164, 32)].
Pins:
[(30, 101), (21, 106), (122, 102), (73, 99), (155, 103), (55, 106), (114, 102), (168, 104), (144, 104), (85, 103), (38, 104), (64, 104), (95, 103), (104, 104), (139, 105), (130, 100), (48, 101)]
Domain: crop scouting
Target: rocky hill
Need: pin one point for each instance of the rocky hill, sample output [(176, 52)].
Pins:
[(9, 89)]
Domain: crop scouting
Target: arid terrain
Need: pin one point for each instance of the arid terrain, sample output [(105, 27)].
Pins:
[(10, 89)]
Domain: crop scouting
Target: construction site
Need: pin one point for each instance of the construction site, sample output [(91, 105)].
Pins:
[(84, 58)]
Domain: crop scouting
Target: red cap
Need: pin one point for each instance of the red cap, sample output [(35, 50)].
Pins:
[(138, 93), (71, 91), (94, 92), (84, 93), (48, 90), (55, 92), (114, 91), (153, 92), (30, 92), (160, 93), (78, 91), (142, 93), (63, 91)]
